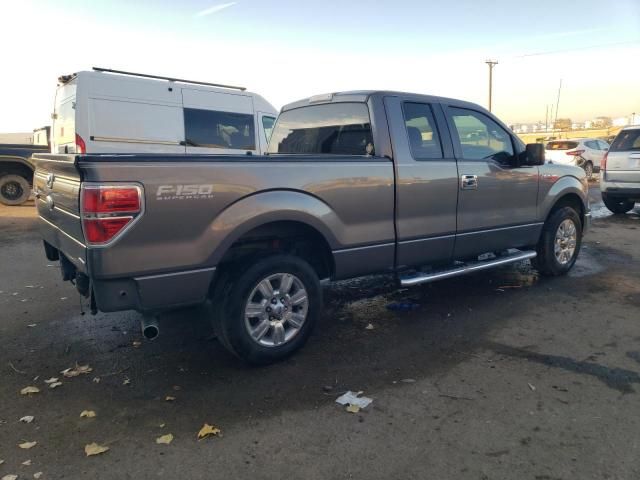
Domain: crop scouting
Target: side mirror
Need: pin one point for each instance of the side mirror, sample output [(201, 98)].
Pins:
[(534, 154)]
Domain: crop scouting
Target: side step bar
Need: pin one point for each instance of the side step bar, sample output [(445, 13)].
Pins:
[(416, 279)]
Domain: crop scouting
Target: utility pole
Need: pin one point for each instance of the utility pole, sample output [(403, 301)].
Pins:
[(557, 104), (546, 118), (491, 63)]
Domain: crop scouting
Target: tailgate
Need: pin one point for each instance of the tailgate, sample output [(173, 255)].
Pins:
[(57, 188), (623, 166)]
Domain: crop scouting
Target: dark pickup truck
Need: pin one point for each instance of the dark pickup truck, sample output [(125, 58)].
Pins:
[(355, 183), (16, 172)]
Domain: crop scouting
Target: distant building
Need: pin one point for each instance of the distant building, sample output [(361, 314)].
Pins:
[(620, 121), (588, 124)]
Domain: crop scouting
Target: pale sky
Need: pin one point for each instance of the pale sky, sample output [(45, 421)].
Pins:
[(287, 50)]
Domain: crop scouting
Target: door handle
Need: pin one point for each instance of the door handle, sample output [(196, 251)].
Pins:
[(469, 182)]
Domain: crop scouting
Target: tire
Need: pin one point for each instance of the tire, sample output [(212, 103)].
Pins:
[(549, 261), (259, 323), (618, 205), (14, 189), (588, 169)]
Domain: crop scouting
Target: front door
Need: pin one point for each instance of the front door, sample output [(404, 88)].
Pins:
[(497, 200), (426, 182)]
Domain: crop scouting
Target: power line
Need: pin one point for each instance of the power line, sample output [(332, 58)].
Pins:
[(551, 52)]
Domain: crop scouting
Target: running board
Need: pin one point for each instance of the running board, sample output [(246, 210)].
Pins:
[(469, 267)]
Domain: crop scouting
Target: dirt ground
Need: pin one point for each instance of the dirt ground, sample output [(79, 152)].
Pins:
[(498, 375)]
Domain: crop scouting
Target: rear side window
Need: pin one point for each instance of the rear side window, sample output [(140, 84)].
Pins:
[(423, 135), (212, 129), (336, 129), (267, 124), (627, 140), (480, 137), (592, 144), (561, 145)]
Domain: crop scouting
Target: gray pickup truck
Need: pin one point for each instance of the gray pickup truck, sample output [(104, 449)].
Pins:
[(355, 183)]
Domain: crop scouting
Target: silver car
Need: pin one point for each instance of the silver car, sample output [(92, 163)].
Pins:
[(620, 178), (581, 152)]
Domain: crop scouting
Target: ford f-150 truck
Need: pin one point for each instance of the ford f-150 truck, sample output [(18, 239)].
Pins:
[(354, 183)]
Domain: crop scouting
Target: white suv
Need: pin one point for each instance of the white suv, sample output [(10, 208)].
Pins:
[(582, 152), (620, 178)]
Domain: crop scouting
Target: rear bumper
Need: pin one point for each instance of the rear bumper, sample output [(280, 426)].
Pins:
[(153, 292), (629, 191)]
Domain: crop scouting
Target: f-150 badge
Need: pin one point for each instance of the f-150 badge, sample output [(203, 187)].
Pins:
[(184, 192)]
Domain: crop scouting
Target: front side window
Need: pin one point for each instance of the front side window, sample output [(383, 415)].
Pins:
[(212, 129), (423, 135), (267, 125), (335, 128), (480, 137)]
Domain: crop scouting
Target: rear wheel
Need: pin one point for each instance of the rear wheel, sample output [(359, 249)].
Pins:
[(618, 205), (267, 311), (14, 189), (559, 243)]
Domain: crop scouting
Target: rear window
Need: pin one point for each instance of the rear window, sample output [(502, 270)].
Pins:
[(212, 129), (337, 129), (561, 145), (626, 140)]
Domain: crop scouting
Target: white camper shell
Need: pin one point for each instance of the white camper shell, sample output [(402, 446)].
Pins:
[(108, 111)]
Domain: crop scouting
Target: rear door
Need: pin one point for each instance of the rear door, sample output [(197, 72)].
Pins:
[(623, 161), (497, 201), (57, 188), (216, 122)]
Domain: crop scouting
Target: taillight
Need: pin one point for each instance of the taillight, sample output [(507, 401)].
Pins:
[(81, 147), (107, 210), (575, 153), (603, 163)]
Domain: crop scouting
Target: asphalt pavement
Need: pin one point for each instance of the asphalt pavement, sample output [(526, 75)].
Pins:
[(498, 375)]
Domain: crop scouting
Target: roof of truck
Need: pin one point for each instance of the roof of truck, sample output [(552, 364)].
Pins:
[(364, 95)]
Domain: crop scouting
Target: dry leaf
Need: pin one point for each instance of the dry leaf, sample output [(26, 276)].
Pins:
[(37, 475), (87, 414), (169, 398), (126, 381), (27, 463), (96, 379), (27, 445), (55, 384), (10, 477), (369, 327), (136, 344), (165, 439), (162, 425), (77, 370), (32, 325), (207, 431), (353, 408), (1, 462), (29, 390), (533, 388), (51, 380), (94, 449), (27, 419)]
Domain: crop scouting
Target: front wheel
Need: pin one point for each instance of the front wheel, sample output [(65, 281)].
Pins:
[(14, 190), (268, 310), (618, 205), (559, 243)]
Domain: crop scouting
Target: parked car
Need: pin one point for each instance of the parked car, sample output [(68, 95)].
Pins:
[(582, 152), (110, 111), (354, 183), (620, 177)]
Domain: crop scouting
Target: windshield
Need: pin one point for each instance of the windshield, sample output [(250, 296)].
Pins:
[(337, 128)]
